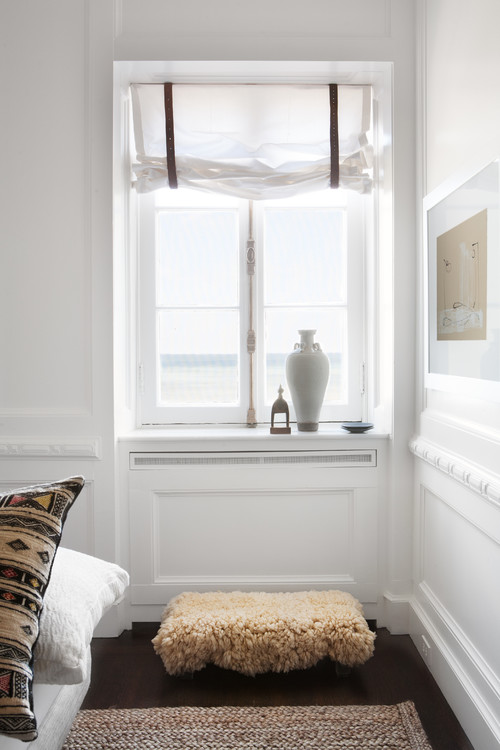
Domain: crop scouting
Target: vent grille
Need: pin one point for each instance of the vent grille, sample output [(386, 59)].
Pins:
[(337, 459)]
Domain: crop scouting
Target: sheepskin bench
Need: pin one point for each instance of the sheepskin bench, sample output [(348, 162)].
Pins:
[(261, 632)]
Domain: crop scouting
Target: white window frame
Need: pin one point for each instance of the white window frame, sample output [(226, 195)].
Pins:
[(151, 413), (354, 206), (378, 375)]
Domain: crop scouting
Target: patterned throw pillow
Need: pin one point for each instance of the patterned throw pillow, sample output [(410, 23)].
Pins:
[(31, 523)]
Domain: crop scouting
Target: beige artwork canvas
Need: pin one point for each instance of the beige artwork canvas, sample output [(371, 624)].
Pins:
[(461, 259)]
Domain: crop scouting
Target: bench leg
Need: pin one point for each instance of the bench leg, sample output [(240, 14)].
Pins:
[(342, 670)]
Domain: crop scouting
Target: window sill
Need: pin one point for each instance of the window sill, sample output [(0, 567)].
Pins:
[(242, 438)]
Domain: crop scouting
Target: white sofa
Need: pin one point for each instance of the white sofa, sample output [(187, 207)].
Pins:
[(81, 589)]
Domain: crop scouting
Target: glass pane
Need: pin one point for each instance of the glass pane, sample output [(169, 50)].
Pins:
[(197, 258), (187, 198), (199, 357), (281, 334), (304, 256)]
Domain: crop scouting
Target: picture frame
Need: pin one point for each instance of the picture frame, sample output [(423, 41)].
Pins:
[(462, 285)]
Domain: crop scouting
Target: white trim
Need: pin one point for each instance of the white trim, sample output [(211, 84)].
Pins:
[(114, 621), (461, 641), (255, 581), (378, 399), (50, 447), (396, 613), (89, 191), (458, 469), (421, 182), (463, 692), (255, 71), (42, 412)]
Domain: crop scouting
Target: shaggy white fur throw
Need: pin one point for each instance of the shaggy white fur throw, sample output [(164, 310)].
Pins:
[(260, 632)]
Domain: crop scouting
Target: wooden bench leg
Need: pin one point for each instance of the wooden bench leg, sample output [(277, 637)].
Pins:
[(341, 669)]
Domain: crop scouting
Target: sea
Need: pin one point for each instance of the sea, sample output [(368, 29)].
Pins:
[(213, 378)]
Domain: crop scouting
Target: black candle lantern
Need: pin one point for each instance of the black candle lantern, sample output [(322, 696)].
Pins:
[(280, 406)]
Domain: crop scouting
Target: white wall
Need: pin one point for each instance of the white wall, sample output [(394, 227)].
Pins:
[(56, 397), (457, 487), (57, 411)]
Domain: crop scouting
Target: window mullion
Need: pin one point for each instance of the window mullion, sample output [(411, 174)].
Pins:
[(251, 335)]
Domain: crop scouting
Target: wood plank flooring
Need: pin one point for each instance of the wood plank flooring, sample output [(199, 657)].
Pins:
[(126, 673)]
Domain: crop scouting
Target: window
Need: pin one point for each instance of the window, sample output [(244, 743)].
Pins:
[(204, 300), (365, 388)]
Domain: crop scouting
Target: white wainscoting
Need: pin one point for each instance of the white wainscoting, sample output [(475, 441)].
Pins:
[(257, 521), (456, 602)]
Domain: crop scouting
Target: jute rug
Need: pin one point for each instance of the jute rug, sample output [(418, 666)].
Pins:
[(250, 728)]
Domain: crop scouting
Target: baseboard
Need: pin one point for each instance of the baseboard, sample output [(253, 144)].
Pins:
[(114, 621), (395, 613), (465, 682)]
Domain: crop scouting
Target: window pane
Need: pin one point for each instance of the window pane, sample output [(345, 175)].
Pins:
[(282, 326), (199, 357), (197, 258), (304, 256)]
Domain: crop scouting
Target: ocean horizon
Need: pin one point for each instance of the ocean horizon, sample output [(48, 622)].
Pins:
[(213, 378)]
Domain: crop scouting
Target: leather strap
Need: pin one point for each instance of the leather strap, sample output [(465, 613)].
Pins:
[(169, 135), (334, 137)]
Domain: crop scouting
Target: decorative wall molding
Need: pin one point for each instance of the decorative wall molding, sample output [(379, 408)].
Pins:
[(50, 447), (250, 528), (473, 675), (43, 413), (254, 582), (457, 468), (162, 591), (444, 622)]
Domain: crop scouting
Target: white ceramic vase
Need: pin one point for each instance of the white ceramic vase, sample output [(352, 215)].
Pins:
[(307, 372)]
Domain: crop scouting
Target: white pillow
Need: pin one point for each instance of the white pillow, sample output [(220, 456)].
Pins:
[(80, 590)]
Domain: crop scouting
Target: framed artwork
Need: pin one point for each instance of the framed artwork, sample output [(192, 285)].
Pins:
[(462, 263)]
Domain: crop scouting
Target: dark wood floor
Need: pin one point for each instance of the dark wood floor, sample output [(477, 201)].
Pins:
[(128, 674)]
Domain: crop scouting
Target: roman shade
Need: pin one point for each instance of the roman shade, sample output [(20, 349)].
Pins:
[(254, 141)]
